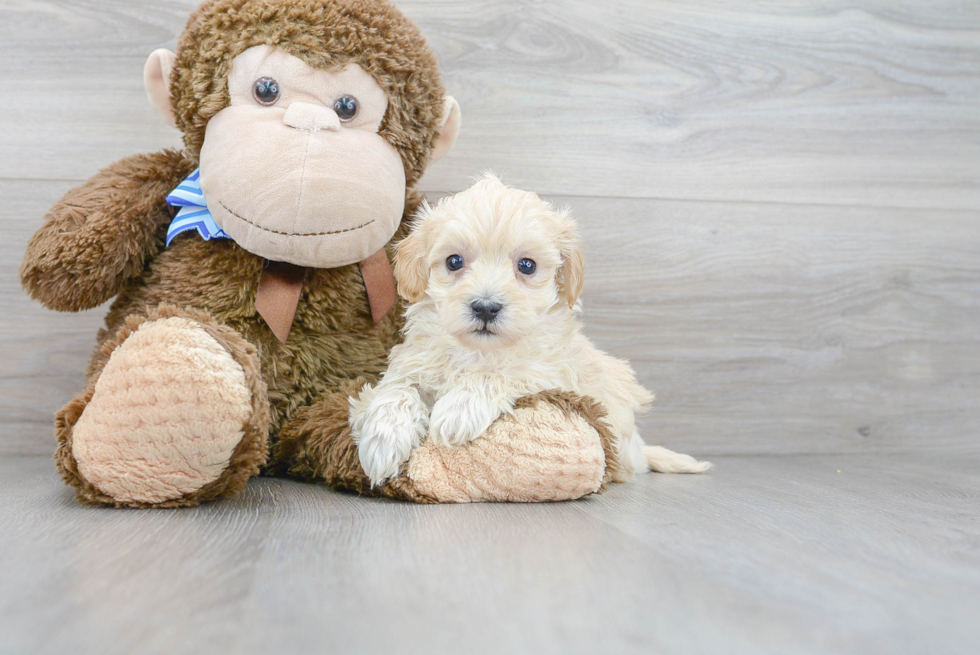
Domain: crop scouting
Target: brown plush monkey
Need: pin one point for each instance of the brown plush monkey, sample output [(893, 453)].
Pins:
[(241, 327)]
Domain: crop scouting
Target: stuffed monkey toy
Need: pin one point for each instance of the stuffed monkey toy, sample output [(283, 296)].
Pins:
[(251, 276)]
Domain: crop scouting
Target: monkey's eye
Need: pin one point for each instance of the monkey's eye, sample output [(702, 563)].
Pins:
[(527, 266), (346, 108), (266, 91), (454, 262)]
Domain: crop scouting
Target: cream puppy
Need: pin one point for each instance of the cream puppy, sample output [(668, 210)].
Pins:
[(494, 274)]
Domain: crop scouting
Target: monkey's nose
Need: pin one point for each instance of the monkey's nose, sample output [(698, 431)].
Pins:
[(486, 310), (310, 117)]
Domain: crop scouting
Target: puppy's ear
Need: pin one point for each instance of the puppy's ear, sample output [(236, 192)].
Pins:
[(571, 274), (411, 269)]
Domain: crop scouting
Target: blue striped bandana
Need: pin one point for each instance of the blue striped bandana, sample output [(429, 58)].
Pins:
[(193, 213)]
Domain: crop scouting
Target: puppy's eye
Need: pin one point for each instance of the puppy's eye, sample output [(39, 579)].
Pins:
[(527, 266), (454, 262), (266, 91), (346, 108)]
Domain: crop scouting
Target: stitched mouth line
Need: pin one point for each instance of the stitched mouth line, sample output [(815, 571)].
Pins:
[(291, 234)]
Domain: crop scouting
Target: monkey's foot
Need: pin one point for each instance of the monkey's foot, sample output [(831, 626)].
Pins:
[(177, 415), (553, 447)]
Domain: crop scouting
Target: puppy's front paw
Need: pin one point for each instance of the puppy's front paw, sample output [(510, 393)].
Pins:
[(460, 417), (386, 427)]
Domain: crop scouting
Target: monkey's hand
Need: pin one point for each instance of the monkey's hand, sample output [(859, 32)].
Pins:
[(102, 233), (550, 446)]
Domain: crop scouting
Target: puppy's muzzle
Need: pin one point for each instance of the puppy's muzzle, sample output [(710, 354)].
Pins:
[(486, 310)]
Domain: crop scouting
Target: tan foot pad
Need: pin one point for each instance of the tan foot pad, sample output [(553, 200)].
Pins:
[(542, 452), (167, 412)]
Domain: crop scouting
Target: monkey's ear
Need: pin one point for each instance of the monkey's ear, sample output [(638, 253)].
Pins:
[(156, 81), (411, 268), (452, 119), (571, 273)]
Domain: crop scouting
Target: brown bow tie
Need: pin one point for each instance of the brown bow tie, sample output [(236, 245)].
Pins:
[(281, 285)]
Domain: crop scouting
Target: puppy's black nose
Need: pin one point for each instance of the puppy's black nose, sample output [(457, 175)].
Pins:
[(486, 310)]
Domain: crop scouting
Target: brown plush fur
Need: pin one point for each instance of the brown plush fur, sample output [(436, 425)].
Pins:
[(333, 339), (106, 238), (318, 444), (323, 34), (97, 239), (250, 453)]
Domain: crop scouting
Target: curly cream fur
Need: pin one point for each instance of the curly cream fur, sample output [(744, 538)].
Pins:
[(456, 373)]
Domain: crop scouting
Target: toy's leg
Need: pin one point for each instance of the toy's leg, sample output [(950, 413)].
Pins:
[(316, 444), (554, 447), (176, 413)]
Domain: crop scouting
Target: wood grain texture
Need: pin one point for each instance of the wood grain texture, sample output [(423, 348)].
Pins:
[(769, 328), (781, 205), (867, 103), (43, 354), (852, 554), (763, 328)]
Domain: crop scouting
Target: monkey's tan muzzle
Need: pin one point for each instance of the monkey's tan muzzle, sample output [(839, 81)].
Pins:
[(334, 196)]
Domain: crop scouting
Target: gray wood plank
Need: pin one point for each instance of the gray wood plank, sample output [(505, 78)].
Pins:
[(868, 103), (763, 328), (779, 311), (762, 555), (43, 354), (774, 328)]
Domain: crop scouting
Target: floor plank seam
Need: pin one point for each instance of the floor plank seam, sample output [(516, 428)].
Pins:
[(705, 201)]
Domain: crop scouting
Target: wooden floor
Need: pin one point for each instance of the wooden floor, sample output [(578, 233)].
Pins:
[(781, 208), (858, 554)]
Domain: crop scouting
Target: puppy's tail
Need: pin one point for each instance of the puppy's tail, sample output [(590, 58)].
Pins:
[(661, 460)]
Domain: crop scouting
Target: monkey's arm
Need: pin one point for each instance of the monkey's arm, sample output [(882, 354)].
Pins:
[(554, 446), (101, 234)]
